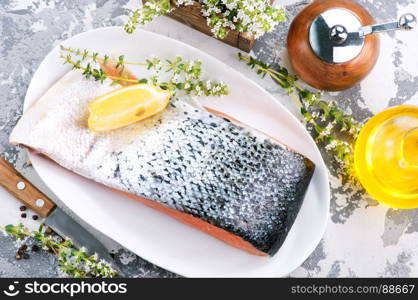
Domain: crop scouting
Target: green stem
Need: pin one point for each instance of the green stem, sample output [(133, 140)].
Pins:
[(274, 74), (103, 60), (114, 78), (106, 60), (71, 260), (328, 111)]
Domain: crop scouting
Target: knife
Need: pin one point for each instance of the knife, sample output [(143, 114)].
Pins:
[(55, 218)]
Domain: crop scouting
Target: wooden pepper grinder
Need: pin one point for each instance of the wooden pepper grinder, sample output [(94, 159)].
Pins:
[(332, 44)]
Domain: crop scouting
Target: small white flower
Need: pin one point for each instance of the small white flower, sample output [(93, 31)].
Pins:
[(175, 79), (331, 145), (250, 16)]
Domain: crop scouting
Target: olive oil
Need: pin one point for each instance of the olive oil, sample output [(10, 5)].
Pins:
[(386, 156)]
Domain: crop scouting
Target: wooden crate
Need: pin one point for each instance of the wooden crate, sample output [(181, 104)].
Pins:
[(190, 15)]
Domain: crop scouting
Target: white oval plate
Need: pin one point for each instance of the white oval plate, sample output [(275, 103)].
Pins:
[(153, 235)]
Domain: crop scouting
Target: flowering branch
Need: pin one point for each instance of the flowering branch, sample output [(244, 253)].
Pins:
[(150, 10), (72, 261), (315, 113), (254, 17), (185, 75)]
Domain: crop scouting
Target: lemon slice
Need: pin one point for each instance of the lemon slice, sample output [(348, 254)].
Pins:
[(125, 106)]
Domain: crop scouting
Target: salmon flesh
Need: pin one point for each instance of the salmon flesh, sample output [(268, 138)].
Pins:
[(221, 177)]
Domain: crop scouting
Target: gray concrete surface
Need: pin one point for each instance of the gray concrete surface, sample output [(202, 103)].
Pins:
[(363, 238)]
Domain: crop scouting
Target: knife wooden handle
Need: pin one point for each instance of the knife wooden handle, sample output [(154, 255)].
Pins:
[(22, 189)]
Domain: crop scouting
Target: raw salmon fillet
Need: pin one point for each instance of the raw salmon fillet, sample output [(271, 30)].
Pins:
[(218, 176)]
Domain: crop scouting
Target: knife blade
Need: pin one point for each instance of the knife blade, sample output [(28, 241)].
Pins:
[(14, 182)]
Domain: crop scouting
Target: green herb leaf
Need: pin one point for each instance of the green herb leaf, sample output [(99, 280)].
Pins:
[(184, 75), (316, 112), (72, 261)]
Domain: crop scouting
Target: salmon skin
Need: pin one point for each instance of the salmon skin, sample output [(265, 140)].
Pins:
[(221, 177)]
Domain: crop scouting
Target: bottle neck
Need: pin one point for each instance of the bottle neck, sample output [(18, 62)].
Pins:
[(409, 149)]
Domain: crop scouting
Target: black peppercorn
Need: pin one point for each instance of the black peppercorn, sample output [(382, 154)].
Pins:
[(23, 215), (24, 247), (35, 217), (22, 208)]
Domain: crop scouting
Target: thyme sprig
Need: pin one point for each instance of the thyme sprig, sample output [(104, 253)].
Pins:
[(74, 262), (325, 119), (95, 57), (184, 75), (148, 12)]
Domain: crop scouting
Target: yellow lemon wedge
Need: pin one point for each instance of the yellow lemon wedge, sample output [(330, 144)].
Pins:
[(125, 106)]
